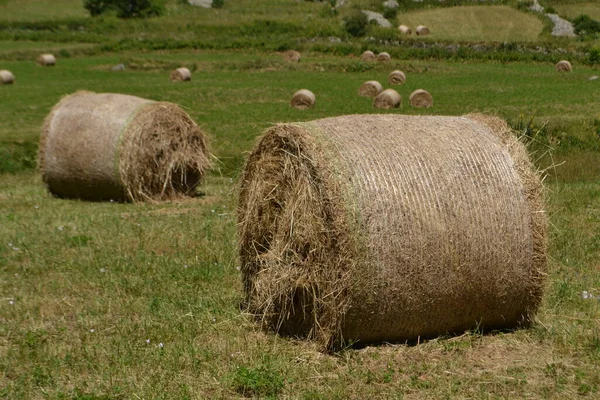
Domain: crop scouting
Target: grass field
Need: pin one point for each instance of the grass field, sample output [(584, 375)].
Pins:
[(112, 300), (573, 10)]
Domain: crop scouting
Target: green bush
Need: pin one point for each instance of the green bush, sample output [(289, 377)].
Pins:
[(356, 23), (585, 25), (390, 13), (218, 3), (97, 7), (126, 8)]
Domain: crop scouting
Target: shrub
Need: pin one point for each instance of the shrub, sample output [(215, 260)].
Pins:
[(126, 8), (218, 3), (97, 7), (585, 25), (356, 23), (390, 13)]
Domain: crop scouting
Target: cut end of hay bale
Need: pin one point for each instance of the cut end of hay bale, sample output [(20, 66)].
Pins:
[(6, 77), (370, 228), (47, 60), (564, 66), (368, 55), (383, 57), (370, 89), (181, 75), (292, 56), (422, 30), (421, 98), (117, 147), (405, 30), (396, 78), (387, 99), (303, 99)]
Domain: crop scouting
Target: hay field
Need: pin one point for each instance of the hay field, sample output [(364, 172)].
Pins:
[(573, 10)]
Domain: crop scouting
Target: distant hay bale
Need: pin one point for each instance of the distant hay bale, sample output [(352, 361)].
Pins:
[(181, 75), (383, 57), (292, 56), (387, 99), (303, 99), (118, 147), (421, 98), (368, 55), (396, 78), (422, 30), (405, 30), (6, 77), (373, 228), (47, 60), (564, 66), (370, 89)]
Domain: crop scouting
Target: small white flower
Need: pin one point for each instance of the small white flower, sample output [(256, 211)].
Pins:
[(103, 270), (36, 207), (11, 302), (185, 266), (161, 345), (587, 295), (15, 248), (147, 341), (60, 228), (214, 319), (238, 268), (212, 211), (92, 330)]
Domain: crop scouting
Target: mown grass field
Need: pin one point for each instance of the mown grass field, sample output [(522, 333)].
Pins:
[(573, 10), (111, 300)]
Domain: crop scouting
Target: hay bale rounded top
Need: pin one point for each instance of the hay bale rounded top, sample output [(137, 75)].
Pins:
[(6, 77), (370, 89), (564, 66), (368, 55), (181, 75), (292, 56), (303, 99), (117, 147), (396, 78), (387, 99), (422, 30), (421, 98), (47, 60), (375, 228), (383, 57), (405, 30)]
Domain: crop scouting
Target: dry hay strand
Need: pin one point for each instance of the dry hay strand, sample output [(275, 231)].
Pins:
[(117, 147), (564, 66), (405, 30), (46, 60), (303, 99), (422, 30), (181, 75), (371, 228), (370, 89), (292, 56), (383, 57), (396, 78), (368, 55), (387, 99), (421, 98), (6, 77)]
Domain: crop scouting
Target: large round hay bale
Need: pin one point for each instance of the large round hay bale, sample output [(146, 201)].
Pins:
[(181, 75), (370, 89), (368, 55), (112, 146), (303, 99), (396, 78), (383, 57), (6, 77), (563, 66), (387, 99), (421, 98), (405, 30), (292, 56), (422, 30), (46, 60), (370, 228)]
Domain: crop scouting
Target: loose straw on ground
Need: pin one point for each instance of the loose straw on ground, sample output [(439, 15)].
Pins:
[(421, 98), (370, 89), (387, 228), (117, 147), (387, 99), (6, 77), (303, 99), (181, 75), (47, 60), (396, 78)]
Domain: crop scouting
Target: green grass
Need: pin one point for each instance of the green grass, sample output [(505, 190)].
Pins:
[(40, 10), (573, 10)]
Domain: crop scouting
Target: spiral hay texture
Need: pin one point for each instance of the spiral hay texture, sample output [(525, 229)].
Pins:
[(405, 30), (303, 99), (181, 75), (375, 228), (292, 56), (387, 99), (112, 146), (370, 89), (47, 60), (6, 77), (422, 30), (564, 66), (383, 57), (396, 78), (421, 98), (368, 55)]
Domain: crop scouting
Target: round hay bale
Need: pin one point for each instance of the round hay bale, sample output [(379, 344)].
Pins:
[(405, 30), (370, 89), (564, 66), (396, 78), (116, 147), (371, 228), (6, 77), (383, 57), (303, 99), (181, 75), (368, 55), (387, 99), (292, 56), (422, 30), (46, 60), (421, 98)]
